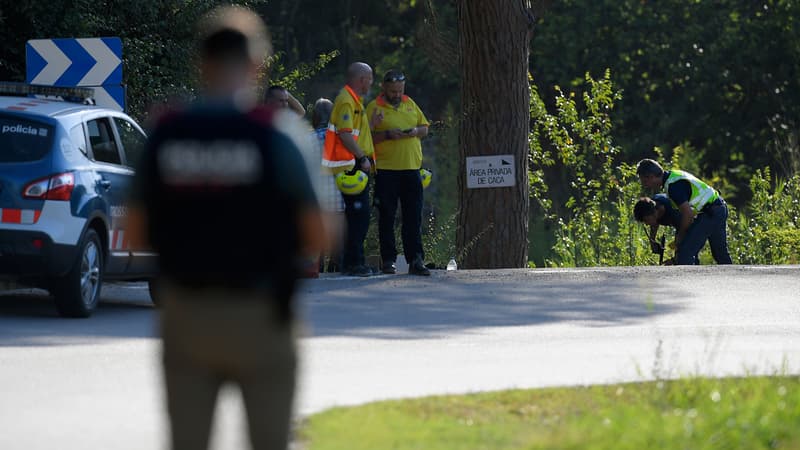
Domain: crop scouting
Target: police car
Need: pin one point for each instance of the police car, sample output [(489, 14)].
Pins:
[(65, 173)]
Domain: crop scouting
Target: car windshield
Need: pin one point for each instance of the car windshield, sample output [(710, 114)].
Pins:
[(23, 140)]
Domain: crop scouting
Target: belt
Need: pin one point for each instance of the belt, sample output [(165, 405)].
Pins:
[(718, 202)]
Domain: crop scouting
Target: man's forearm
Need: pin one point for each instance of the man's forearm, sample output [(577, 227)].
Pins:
[(686, 221), (379, 136), (296, 106), (687, 217)]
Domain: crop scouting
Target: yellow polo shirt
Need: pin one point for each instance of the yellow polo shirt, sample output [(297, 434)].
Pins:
[(398, 154), (348, 115)]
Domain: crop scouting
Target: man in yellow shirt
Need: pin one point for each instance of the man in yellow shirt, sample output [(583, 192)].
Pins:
[(398, 158), (348, 145)]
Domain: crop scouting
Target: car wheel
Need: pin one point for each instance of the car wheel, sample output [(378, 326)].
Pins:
[(152, 286), (77, 293)]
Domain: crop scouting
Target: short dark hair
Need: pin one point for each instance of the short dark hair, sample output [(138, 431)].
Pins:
[(275, 87), (226, 45), (644, 207), (272, 90), (648, 167), (233, 35), (393, 76), (321, 113)]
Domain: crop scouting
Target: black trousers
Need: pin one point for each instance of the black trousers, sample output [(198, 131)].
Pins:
[(405, 187), (356, 213), (710, 225)]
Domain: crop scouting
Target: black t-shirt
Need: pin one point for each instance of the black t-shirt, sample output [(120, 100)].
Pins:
[(221, 191), (671, 216)]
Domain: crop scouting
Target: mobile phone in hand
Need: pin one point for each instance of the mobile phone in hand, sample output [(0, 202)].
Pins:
[(407, 131)]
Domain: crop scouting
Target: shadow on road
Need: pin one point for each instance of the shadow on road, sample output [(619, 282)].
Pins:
[(414, 307), (407, 307), (28, 317)]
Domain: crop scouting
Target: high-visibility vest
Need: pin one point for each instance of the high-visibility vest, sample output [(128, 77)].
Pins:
[(335, 155), (702, 194)]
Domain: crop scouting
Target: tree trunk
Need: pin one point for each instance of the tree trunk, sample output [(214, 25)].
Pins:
[(494, 44)]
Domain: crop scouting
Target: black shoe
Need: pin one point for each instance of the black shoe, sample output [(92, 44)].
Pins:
[(359, 271), (389, 268), (418, 268)]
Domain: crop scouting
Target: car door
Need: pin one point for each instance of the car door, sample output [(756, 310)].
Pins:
[(113, 187), (132, 138)]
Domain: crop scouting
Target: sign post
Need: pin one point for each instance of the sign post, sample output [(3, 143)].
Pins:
[(490, 171), (87, 62)]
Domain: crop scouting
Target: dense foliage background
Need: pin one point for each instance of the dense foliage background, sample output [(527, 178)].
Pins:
[(713, 87)]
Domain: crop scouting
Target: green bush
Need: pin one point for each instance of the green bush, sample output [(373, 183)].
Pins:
[(595, 225), (768, 230)]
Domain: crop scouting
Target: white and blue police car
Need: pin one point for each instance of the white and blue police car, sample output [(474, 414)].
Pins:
[(66, 169)]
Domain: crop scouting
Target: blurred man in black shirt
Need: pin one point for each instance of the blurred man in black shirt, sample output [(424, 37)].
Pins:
[(228, 268)]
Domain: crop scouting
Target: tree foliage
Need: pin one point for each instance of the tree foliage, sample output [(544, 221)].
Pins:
[(720, 76), (158, 39), (767, 231), (595, 226)]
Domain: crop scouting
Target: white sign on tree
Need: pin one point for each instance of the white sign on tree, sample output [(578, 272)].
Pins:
[(490, 171)]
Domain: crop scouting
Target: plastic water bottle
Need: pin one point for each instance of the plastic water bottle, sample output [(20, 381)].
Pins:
[(452, 264)]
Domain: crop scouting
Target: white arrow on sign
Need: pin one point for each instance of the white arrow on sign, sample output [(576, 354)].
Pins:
[(103, 98), (57, 61), (107, 62)]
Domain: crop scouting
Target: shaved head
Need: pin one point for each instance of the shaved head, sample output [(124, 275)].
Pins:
[(359, 77), (357, 70)]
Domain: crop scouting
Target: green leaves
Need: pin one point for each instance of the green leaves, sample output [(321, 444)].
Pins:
[(281, 75), (158, 39), (719, 76), (577, 140), (768, 230)]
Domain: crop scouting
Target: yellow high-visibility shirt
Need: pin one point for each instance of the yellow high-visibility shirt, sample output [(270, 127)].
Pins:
[(348, 116), (398, 154)]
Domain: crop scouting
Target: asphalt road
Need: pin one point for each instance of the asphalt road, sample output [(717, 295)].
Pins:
[(77, 384)]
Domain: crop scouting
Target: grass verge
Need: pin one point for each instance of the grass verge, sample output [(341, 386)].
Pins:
[(690, 413)]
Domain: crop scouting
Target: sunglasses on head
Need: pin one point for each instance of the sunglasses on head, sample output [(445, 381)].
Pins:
[(394, 77)]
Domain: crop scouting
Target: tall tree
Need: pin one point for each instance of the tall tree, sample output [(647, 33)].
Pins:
[(494, 45)]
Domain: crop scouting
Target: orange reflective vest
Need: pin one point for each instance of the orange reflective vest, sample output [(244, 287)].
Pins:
[(347, 116)]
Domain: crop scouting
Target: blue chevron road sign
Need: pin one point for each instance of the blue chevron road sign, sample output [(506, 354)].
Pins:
[(89, 62)]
